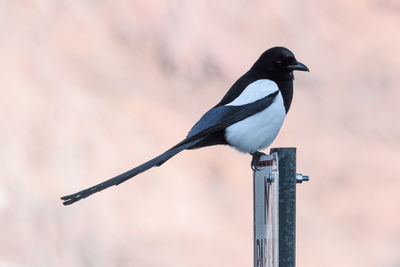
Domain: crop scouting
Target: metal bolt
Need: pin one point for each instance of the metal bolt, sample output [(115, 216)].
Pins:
[(301, 178), (269, 178)]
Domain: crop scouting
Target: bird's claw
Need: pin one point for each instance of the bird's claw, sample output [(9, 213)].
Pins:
[(256, 158), (254, 168)]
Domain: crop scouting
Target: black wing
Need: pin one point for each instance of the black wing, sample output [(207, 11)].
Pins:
[(220, 117)]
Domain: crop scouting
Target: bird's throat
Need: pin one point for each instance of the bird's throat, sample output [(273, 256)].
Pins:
[(286, 88)]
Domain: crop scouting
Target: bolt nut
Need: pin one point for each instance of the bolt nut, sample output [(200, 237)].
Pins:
[(301, 178)]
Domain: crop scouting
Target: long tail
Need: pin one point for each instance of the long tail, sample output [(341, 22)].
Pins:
[(157, 161)]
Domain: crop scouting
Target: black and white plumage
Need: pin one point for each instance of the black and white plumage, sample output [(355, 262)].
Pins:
[(247, 118)]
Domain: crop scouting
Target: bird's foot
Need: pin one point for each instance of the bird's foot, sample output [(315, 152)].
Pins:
[(256, 158)]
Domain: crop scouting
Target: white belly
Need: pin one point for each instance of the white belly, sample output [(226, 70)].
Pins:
[(258, 131)]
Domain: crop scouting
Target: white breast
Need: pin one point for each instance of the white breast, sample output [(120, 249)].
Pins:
[(259, 130)]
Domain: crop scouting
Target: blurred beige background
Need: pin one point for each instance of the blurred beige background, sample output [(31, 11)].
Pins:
[(92, 88)]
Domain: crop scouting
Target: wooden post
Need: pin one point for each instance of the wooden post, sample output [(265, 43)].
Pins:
[(266, 212)]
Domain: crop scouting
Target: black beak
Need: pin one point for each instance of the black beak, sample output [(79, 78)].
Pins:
[(298, 66)]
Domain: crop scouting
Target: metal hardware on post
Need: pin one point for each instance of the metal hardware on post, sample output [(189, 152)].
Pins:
[(302, 178)]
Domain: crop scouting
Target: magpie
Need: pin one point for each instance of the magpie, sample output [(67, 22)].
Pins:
[(247, 118)]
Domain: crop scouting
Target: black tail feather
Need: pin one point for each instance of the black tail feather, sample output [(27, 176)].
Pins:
[(157, 161)]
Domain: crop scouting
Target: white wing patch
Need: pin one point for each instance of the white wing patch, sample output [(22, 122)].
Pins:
[(255, 91), (259, 130)]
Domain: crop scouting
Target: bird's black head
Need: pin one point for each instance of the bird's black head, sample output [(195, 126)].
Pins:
[(277, 63)]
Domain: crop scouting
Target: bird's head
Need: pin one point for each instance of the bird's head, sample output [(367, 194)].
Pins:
[(279, 63)]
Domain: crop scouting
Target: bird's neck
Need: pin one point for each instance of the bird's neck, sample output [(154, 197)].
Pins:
[(286, 88), (285, 85)]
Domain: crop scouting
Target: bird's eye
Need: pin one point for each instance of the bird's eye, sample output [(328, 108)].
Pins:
[(289, 60), (279, 63)]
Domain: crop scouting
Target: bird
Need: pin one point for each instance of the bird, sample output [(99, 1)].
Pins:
[(248, 118)]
